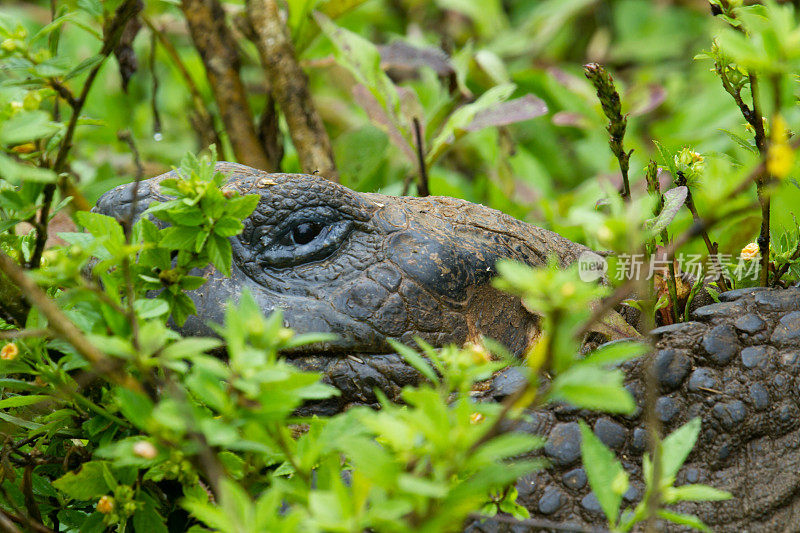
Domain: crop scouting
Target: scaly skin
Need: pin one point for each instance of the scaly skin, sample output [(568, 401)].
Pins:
[(382, 268), (394, 268), (736, 365)]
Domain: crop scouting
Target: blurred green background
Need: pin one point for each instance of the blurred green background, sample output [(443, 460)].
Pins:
[(549, 170)]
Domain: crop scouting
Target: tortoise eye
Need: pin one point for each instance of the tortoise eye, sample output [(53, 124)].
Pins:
[(304, 242), (306, 232)]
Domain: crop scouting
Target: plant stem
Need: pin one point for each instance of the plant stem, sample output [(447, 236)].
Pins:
[(201, 112), (612, 108), (653, 187), (761, 181), (653, 426), (62, 325), (423, 189), (712, 247), (124, 13)]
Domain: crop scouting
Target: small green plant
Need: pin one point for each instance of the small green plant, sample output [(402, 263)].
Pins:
[(609, 480)]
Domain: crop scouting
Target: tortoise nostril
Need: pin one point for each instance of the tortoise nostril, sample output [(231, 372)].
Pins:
[(304, 233)]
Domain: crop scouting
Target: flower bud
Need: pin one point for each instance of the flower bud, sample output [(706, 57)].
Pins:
[(145, 450), (476, 418), (32, 101), (105, 505), (750, 252), (9, 352)]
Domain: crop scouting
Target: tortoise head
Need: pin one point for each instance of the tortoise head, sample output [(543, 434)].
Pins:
[(365, 267)]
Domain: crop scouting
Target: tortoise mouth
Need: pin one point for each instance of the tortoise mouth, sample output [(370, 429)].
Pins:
[(357, 376)]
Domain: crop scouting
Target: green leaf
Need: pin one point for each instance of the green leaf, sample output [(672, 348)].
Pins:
[(83, 66), (747, 144), (190, 283), (615, 327), (93, 7), (21, 401), (52, 68), (362, 59), (135, 406), (589, 387), (416, 360), (506, 446), (228, 227), (151, 308), (459, 121), (421, 486), (673, 201), (146, 519), (607, 478), (178, 238), (242, 207), (190, 346), (91, 481), (15, 172), (182, 308), (676, 447), (103, 227), (695, 493), (19, 421), (26, 126), (683, 519), (220, 253), (615, 353)]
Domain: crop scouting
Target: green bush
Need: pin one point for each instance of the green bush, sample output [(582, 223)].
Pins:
[(113, 420)]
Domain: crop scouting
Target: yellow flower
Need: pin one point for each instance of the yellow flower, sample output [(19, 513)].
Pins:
[(9, 352), (780, 160), (24, 148), (105, 505), (478, 352), (780, 155), (750, 252), (689, 162), (475, 418)]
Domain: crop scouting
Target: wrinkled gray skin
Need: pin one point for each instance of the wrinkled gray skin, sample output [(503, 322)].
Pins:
[(381, 268), (392, 268)]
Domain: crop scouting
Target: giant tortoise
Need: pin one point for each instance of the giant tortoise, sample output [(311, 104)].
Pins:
[(370, 268)]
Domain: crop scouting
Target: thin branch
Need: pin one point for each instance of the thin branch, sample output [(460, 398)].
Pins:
[(290, 88), (127, 227), (423, 189), (26, 333), (62, 325), (712, 247), (653, 426), (124, 13), (7, 524), (63, 91), (7, 520), (217, 48), (201, 112), (761, 181)]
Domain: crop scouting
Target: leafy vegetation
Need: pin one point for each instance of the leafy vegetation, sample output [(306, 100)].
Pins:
[(112, 420)]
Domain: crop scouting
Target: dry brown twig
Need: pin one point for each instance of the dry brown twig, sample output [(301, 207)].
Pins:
[(217, 48), (290, 89)]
